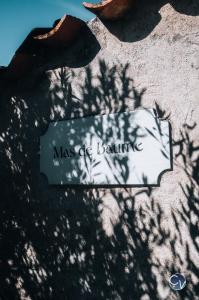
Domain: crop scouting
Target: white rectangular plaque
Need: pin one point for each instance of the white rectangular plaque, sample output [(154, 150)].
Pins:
[(129, 148)]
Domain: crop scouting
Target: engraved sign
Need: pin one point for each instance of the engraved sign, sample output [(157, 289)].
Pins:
[(128, 148)]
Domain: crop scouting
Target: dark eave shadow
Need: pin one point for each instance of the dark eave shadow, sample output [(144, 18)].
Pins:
[(69, 42), (144, 16), (187, 7), (138, 23)]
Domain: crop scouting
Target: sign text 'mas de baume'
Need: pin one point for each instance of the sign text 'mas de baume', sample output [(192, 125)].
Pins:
[(129, 148)]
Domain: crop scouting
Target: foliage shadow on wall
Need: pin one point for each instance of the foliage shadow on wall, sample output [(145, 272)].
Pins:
[(54, 242)]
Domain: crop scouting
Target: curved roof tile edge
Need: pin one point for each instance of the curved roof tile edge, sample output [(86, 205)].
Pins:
[(64, 31), (53, 31), (110, 9)]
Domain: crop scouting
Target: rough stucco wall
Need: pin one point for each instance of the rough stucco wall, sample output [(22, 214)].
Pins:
[(107, 243)]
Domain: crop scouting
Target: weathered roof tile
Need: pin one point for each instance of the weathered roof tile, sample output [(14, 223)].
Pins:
[(110, 9)]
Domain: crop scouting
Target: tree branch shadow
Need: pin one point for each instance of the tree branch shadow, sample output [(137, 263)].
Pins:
[(54, 241)]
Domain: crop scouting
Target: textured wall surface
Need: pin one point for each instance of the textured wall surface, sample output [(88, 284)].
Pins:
[(61, 243)]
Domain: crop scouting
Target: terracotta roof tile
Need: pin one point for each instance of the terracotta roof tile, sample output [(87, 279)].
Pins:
[(110, 9), (63, 33)]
